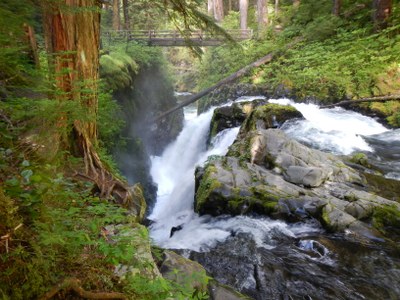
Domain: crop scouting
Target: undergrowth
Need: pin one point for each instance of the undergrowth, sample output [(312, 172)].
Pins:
[(331, 58), (54, 227)]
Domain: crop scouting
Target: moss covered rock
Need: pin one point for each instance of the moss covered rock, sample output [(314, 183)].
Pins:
[(117, 70), (292, 181), (231, 116), (269, 116)]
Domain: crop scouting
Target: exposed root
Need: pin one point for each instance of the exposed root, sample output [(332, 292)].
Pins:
[(108, 185), (74, 284)]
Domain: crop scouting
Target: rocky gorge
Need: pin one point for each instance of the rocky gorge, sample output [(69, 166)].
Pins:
[(267, 172), (276, 217)]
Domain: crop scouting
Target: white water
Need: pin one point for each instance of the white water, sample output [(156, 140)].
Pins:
[(335, 130)]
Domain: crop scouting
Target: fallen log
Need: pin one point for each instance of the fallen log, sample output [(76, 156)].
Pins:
[(372, 99), (241, 72)]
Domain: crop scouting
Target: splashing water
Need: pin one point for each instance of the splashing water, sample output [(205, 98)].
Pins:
[(174, 174), (337, 130)]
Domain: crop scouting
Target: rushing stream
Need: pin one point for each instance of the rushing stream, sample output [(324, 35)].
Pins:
[(271, 259)]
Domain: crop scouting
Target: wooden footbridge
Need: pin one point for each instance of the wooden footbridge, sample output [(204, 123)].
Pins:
[(171, 38)]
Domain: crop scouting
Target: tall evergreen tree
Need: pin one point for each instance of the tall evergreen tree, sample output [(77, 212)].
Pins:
[(72, 32)]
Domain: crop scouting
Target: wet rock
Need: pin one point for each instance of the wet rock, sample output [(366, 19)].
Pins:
[(218, 291), (231, 116), (269, 116), (266, 172), (307, 176)]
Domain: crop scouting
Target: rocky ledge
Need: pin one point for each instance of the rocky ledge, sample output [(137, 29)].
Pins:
[(266, 172)]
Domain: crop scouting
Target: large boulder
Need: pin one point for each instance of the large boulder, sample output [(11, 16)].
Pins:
[(232, 115), (268, 173), (269, 116)]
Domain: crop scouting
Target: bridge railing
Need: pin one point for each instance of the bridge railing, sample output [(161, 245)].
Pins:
[(171, 35)]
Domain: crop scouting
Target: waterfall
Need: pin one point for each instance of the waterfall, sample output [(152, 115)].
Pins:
[(174, 174), (262, 257), (337, 130)]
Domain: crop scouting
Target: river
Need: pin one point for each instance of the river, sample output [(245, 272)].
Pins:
[(273, 259)]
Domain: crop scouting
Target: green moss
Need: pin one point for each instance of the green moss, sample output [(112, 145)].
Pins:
[(117, 70), (385, 187), (325, 219), (207, 185), (270, 114), (386, 216), (361, 159)]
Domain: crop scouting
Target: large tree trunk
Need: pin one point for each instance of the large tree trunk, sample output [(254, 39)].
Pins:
[(218, 10), (337, 5), (243, 7), (125, 8), (381, 11), (210, 7), (262, 14), (116, 18), (72, 31)]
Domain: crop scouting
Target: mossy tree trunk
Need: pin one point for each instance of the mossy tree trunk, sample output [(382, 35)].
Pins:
[(72, 31)]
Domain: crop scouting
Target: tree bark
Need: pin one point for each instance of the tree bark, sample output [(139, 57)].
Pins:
[(116, 18), (276, 8), (33, 49), (337, 5), (296, 3), (243, 7), (125, 8), (72, 32), (218, 10), (381, 11), (262, 14), (356, 101)]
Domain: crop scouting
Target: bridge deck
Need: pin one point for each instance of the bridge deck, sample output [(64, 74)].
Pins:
[(170, 38)]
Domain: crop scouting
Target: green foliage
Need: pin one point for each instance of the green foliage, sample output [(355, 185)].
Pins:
[(67, 232), (117, 69), (14, 63), (336, 59), (109, 122)]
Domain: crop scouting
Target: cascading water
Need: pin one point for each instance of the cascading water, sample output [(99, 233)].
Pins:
[(336, 130), (260, 256), (174, 174)]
